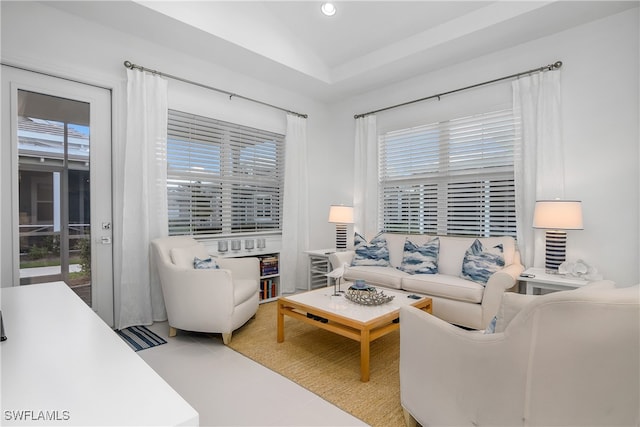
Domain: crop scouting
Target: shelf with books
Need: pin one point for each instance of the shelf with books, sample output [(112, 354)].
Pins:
[(269, 276), (268, 289)]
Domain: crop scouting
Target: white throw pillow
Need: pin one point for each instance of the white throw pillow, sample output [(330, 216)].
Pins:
[(512, 303)]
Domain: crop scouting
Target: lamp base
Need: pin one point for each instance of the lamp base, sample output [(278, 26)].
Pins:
[(341, 237), (555, 250)]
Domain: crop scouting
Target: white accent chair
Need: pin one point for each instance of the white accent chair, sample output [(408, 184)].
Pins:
[(205, 300), (569, 358)]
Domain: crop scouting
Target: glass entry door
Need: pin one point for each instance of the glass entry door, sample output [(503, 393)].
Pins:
[(54, 194), (60, 133)]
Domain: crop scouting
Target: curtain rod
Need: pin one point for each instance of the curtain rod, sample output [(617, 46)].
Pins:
[(132, 66), (556, 65)]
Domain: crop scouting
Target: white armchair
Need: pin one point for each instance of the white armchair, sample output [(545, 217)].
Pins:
[(205, 300), (564, 359)]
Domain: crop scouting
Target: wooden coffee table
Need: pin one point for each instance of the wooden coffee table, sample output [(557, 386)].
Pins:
[(339, 315)]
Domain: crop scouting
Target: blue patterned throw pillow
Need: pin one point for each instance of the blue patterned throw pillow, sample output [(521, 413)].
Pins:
[(420, 259), (480, 263), (374, 253), (491, 327), (203, 264)]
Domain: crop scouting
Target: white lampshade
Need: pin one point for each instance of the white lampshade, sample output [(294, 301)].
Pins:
[(558, 215), (341, 214)]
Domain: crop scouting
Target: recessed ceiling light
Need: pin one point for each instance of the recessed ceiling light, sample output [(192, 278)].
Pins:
[(328, 9)]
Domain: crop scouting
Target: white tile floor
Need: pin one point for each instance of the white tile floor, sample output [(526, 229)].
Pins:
[(228, 389)]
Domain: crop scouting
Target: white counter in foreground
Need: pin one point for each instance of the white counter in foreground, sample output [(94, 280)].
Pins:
[(62, 365)]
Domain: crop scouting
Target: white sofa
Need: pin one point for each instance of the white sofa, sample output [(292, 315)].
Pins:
[(455, 299), (569, 358)]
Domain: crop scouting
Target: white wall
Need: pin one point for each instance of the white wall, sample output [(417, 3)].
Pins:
[(46, 39), (42, 38), (600, 126), (600, 112)]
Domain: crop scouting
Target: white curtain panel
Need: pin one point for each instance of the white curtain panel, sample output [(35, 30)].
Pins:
[(365, 191), (295, 217), (143, 199), (539, 159)]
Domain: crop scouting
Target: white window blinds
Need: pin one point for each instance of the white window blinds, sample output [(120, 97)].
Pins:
[(221, 177), (450, 178)]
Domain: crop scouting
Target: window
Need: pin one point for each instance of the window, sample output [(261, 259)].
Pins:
[(450, 178), (221, 177)]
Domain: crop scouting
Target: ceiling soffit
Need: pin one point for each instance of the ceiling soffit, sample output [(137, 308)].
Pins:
[(370, 44)]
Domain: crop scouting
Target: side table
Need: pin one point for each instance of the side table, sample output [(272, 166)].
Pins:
[(537, 278), (319, 266)]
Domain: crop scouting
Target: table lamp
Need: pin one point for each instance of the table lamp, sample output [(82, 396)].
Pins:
[(556, 216), (341, 216)]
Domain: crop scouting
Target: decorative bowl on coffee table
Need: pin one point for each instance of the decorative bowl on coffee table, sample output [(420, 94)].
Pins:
[(364, 294)]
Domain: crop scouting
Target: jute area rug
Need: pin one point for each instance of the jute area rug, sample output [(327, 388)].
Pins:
[(328, 365)]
